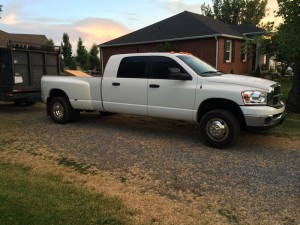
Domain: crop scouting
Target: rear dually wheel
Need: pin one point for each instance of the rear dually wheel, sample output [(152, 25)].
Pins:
[(60, 110)]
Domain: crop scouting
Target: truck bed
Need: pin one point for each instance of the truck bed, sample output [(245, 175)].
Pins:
[(83, 92)]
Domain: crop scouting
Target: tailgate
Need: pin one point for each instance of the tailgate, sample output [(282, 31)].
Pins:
[(29, 66)]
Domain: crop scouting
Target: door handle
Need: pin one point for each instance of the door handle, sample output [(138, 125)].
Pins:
[(116, 84), (154, 86)]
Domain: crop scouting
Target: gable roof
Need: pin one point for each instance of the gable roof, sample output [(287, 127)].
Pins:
[(26, 38), (185, 25)]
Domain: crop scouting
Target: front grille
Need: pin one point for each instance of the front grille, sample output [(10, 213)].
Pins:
[(274, 97)]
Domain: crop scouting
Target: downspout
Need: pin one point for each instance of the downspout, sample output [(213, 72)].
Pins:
[(217, 51)]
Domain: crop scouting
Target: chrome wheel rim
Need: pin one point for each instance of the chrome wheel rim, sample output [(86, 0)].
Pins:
[(217, 129), (58, 110)]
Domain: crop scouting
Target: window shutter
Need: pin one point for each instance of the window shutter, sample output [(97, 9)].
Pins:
[(224, 51)]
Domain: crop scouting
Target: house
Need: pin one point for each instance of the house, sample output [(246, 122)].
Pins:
[(213, 41), (25, 38)]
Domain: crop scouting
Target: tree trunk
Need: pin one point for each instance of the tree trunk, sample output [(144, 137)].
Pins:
[(293, 101)]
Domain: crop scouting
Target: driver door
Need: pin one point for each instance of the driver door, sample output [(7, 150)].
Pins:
[(167, 95)]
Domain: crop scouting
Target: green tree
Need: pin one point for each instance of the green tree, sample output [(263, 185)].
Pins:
[(94, 58), (207, 10), (82, 55), (66, 50), (0, 10), (49, 42), (73, 65), (236, 11), (165, 47), (287, 44), (253, 11)]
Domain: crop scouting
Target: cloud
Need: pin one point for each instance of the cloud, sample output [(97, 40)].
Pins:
[(9, 19), (272, 7), (90, 30), (9, 14), (16, 18), (131, 16), (100, 30), (177, 6)]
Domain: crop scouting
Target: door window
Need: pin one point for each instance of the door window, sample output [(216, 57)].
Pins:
[(133, 67), (163, 67)]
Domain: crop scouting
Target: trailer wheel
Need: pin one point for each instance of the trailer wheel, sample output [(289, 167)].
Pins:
[(60, 110), (219, 128)]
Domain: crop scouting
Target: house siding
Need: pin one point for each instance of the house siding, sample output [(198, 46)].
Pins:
[(204, 49), (236, 65), (107, 52)]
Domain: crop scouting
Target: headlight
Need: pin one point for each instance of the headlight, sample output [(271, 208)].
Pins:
[(254, 97)]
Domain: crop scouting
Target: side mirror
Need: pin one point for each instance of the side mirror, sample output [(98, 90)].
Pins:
[(174, 73)]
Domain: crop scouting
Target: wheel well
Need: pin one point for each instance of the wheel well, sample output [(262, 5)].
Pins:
[(219, 103), (57, 93)]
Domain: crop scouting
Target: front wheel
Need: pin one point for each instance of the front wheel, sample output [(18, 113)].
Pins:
[(219, 128), (60, 110)]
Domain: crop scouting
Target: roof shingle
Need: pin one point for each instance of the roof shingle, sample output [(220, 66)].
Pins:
[(185, 25), (26, 38)]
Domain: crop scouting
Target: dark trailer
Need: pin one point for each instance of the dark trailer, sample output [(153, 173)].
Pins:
[(22, 66)]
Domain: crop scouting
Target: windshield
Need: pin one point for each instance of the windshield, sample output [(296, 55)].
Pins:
[(200, 67)]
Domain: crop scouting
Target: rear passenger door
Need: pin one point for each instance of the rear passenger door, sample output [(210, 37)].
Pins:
[(128, 90), (167, 96)]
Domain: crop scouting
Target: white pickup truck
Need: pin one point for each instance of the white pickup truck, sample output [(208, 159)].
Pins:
[(170, 85)]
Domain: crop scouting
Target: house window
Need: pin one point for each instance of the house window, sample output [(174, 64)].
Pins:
[(228, 51)]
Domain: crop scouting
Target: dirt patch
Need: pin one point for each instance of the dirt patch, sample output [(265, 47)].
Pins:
[(150, 207), (160, 168), (270, 141)]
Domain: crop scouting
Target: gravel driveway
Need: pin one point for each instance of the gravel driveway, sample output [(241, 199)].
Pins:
[(257, 180)]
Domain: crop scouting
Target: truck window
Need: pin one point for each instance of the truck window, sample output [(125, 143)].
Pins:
[(133, 67), (161, 67), (200, 67)]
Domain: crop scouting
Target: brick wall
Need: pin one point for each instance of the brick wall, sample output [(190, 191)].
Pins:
[(237, 65), (204, 49), (106, 53)]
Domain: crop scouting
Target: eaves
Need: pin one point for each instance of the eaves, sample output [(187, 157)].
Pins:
[(173, 39)]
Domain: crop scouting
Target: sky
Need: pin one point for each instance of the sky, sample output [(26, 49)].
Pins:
[(95, 21)]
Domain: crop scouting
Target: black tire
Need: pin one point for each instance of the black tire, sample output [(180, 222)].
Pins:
[(60, 110), (219, 128)]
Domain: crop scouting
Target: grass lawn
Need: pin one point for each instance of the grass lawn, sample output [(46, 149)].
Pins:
[(32, 198), (286, 84), (290, 127)]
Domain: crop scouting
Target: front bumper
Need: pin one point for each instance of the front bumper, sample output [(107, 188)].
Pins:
[(263, 116)]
